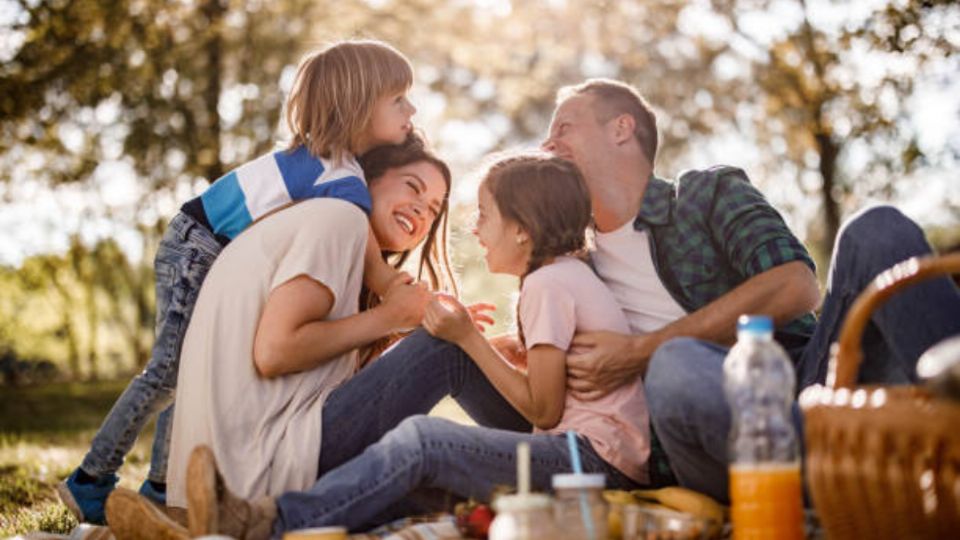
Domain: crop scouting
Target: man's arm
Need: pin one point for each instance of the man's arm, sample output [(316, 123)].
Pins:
[(784, 292)]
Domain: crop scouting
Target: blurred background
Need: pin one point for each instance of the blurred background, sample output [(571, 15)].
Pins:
[(115, 112)]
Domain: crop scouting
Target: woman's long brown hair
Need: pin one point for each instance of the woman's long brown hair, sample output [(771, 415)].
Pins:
[(434, 260)]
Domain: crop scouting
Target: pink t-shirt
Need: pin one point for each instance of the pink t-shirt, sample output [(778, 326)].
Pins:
[(557, 301)]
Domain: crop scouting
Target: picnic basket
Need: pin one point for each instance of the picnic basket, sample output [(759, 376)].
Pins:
[(882, 461)]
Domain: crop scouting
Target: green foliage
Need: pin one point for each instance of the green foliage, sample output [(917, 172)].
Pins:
[(44, 432), (65, 409)]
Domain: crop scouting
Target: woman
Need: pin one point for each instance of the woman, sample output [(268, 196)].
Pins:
[(277, 325)]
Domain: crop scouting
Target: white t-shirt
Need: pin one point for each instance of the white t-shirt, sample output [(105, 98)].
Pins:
[(624, 262), (265, 433)]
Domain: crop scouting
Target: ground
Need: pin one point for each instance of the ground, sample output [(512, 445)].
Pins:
[(44, 432)]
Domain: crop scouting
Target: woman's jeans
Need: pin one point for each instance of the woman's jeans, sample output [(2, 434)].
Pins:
[(378, 462), (684, 382), (185, 254)]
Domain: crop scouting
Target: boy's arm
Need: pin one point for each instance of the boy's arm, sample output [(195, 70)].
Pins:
[(377, 274)]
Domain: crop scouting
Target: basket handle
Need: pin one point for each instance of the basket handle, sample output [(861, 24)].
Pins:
[(847, 352)]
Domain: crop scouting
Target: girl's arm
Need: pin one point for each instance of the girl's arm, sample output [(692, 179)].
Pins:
[(293, 334), (378, 275), (538, 395)]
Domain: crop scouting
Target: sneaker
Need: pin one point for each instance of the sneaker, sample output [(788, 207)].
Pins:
[(133, 517), (87, 501), (212, 509), (152, 493)]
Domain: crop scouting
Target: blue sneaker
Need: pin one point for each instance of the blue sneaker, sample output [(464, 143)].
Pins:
[(148, 491), (87, 501)]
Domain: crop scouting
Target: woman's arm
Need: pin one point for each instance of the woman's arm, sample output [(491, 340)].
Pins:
[(293, 334), (538, 395)]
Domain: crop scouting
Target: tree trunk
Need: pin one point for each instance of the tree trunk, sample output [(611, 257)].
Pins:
[(214, 11), (831, 207)]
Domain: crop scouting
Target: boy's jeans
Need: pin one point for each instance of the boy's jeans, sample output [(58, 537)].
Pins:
[(185, 254), (684, 382), (420, 462)]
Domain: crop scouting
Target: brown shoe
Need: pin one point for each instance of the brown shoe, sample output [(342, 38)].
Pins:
[(212, 509), (133, 517)]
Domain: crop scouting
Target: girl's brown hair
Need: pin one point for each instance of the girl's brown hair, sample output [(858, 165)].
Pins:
[(548, 198), (335, 91), (434, 260)]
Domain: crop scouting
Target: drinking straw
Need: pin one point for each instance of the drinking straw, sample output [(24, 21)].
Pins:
[(578, 469), (523, 468)]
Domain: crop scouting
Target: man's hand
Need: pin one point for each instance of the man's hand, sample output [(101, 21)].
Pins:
[(608, 360)]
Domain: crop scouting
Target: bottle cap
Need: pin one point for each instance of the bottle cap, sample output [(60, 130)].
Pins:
[(520, 502), (755, 324), (578, 481)]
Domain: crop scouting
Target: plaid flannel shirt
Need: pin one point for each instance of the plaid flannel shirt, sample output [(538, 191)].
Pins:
[(710, 231)]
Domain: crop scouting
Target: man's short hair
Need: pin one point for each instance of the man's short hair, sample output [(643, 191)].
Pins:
[(614, 98)]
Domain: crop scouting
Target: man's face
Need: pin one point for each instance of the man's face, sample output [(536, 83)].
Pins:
[(576, 135)]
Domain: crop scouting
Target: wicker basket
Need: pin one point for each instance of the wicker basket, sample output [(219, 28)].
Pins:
[(882, 462)]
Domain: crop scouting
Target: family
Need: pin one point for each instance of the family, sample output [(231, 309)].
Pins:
[(280, 311)]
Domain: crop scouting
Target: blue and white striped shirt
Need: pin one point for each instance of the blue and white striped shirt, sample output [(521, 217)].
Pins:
[(271, 181)]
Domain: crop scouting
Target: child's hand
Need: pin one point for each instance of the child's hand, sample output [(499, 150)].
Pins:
[(447, 319), (398, 279), (406, 303), (480, 318)]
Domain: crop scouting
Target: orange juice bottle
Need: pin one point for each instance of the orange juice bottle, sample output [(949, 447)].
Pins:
[(765, 487)]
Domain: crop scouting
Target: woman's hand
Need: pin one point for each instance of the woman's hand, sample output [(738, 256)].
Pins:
[(448, 319), (406, 303)]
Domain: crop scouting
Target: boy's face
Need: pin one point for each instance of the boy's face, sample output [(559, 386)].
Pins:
[(390, 123)]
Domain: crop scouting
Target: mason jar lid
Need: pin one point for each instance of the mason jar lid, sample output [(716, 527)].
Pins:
[(520, 503), (578, 481)]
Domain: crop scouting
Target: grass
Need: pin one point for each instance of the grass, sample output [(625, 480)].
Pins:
[(45, 432)]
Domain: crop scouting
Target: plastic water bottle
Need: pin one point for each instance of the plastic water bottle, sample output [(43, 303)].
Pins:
[(765, 488)]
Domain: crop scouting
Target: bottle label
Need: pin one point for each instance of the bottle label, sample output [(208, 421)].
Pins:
[(766, 501)]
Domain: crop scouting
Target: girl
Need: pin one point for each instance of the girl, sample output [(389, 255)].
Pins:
[(347, 99), (533, 214)]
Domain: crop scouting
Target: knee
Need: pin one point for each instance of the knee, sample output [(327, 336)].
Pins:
[(670, 375), (409, 432), (882, 227)]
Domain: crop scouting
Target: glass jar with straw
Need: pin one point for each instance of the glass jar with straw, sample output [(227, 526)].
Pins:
[(525, 515), (580, 510)]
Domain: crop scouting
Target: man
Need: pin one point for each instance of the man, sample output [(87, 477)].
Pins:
[(686, 258)]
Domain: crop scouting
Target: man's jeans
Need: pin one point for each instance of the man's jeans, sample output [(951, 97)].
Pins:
[(185, 254), (684, 382), (378, 462)]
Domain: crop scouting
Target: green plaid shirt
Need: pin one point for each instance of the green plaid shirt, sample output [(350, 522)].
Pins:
[(710, 231)]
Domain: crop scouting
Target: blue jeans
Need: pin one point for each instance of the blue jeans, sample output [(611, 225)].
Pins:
[(396, 461), (684, 382), (185, 254)]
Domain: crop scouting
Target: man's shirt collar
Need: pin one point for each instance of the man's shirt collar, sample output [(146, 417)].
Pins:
[(657, 206)]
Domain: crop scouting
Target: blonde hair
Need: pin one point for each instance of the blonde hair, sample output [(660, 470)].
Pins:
[(335, 91)]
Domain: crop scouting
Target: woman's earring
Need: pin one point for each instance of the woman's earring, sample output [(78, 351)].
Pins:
[(521, 240)]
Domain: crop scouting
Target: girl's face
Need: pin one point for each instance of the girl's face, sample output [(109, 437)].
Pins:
[(506, 245), (406, 202), (390, 122)]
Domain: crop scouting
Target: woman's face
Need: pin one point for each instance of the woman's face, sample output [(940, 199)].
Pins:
[(406, 202)]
